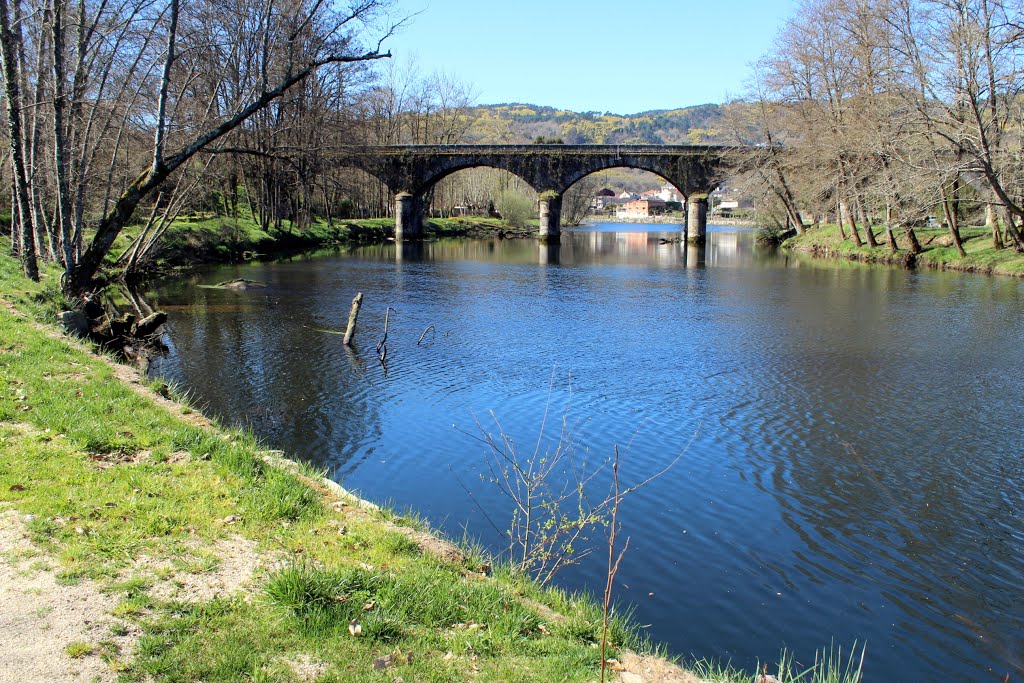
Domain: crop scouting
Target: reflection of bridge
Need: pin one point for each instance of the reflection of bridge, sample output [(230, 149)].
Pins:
[(411, 170)]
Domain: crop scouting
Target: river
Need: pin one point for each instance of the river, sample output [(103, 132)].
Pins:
[(851, 436)]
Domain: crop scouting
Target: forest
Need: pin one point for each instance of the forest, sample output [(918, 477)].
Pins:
[(897, 113)]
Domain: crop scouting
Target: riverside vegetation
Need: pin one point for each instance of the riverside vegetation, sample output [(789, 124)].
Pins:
[(937, 250), (212, 238), (146, 502)]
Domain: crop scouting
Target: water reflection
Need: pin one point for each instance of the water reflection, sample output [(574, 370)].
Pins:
[(409, 251), (549, 254), (588, 246), (856, 471)]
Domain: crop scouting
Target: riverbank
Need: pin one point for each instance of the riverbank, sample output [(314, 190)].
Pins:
[(671, 219), (141, 541), (938, 252), (198, 240), (170, 548)]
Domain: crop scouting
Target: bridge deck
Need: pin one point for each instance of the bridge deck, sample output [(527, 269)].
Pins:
[(549, 150)]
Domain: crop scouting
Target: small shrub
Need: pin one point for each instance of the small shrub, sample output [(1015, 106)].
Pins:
[(79, 649), (381, 627), (515, 209), (769, 234), (400, 544)]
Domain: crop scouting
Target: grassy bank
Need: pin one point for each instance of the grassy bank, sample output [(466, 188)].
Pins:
[(219, 239), (982, 257), (144, 502)]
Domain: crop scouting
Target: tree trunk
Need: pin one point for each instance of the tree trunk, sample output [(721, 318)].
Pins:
[(997, 236), (1011, 228), (954, 200), (954, 229), (327, 208), (845, 213), (24, 230), (867, 224), (789, 202), (44, 235), (915, 244), (15, 242), (59, 141), (890, 236)]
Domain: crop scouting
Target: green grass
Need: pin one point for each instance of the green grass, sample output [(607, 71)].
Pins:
[(981, 257), (830, 665), (90, 460), (472, 226), (79, 649)]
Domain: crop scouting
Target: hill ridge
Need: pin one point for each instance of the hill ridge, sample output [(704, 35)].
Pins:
[(516, 122)]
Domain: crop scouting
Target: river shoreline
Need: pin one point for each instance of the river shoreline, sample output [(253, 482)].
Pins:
[(938, 253), (217, 240), (192, 245), (84, 429)]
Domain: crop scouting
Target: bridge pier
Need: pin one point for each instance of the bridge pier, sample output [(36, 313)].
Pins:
[(696, 220), (550, 217), (408, 217)]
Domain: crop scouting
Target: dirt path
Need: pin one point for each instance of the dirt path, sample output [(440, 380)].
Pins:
[(41, 621)]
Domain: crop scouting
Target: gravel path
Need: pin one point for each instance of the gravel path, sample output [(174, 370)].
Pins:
[(39, 618)]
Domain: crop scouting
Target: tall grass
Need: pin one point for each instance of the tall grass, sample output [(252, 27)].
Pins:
[(831, 665)]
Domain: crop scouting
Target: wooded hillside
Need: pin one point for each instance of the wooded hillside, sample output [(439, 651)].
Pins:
[(519, 123)]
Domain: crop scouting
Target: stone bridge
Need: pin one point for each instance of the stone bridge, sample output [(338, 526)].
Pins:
[(410, 171)]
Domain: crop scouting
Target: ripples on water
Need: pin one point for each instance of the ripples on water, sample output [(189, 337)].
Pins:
[(854, 471)]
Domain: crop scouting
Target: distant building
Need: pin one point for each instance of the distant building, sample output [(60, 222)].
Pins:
[(665, 194), (641, 208), (670, 194), (629, 195), (725, 201), (602, 203)]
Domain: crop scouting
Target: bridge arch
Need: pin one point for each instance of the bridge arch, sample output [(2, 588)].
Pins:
[(573, 196), (647, 168), (475, 187), (431, 181), (549, 169)]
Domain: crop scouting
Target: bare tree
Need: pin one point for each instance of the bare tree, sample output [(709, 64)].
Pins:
[(578, 200), (125, 93), (23, 233), (885, 110), (312, 37)]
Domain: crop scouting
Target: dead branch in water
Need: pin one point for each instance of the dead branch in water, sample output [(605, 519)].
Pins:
[(382, 345), (353, 315), (429, 328)]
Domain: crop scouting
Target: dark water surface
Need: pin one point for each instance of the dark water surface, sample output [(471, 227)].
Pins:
[(857, 469)]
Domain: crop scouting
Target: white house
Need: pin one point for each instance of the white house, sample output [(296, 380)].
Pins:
[(669, 194)]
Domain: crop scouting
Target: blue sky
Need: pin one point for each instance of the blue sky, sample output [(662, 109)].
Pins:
[(624, 57)]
